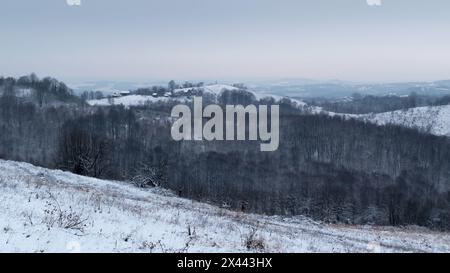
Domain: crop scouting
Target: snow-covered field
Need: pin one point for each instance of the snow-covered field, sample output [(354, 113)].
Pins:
[(45, 210)]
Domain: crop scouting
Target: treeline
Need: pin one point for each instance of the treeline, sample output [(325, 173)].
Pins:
[(44, 91), (328, 168), (171, 86)]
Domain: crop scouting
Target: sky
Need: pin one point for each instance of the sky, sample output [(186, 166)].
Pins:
[(354, 40)]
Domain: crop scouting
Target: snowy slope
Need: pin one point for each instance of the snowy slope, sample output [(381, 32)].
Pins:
[(131, 100), (434, 120), (45, 210), (216, 89)]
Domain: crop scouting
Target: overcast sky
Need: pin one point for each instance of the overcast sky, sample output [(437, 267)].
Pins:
[(215, 39)]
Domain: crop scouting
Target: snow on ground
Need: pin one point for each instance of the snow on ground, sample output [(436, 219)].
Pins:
[(45, 210), (136, 100), (131, 100), (432, 119), (217, 89)]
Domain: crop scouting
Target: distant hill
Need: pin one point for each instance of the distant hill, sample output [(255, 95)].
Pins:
[(434, 119), (43, 92), (339, 89)]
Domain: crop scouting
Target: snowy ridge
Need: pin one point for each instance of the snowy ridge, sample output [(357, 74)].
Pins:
[(217, 89), (431, 119), (54, 211), (434, 120)]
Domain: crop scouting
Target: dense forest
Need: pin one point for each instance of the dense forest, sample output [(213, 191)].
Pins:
[(327, 168)]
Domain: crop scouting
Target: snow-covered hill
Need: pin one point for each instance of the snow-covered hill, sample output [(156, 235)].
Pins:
[(45, 210), (218, 88), (136, 100), (434, 120), (215, 89), (431, 119)]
